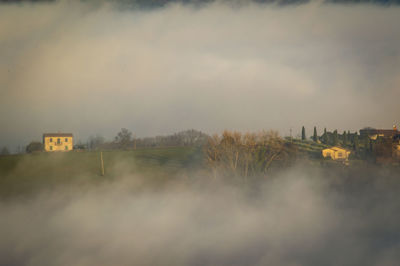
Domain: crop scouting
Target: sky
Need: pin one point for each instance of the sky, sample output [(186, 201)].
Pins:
[(95, 67)]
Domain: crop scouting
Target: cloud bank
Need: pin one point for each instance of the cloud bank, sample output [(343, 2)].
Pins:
[(93, 68), (296, 219)]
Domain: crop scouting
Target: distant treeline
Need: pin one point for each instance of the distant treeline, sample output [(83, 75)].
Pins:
[(333, 138), (126, 140)]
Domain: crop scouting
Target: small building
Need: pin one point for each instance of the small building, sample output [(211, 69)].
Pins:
[(336, 153), (373, 133), (396, 152), (58, 142)]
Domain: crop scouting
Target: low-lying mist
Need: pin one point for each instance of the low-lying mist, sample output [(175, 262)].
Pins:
[(298, 217)]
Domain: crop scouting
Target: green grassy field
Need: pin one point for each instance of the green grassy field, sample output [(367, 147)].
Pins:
[(21, 174)]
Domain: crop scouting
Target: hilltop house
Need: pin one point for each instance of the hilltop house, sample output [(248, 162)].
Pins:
[(58, 141), (373, 133), (336, 153)]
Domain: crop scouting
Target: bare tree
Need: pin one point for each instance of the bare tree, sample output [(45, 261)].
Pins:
[(213, 153), (123, 138), (246, 155)]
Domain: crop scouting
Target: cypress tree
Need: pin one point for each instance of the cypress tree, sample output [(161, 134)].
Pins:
[(367, 144), (349, 138), (303, 133), (344, 138), (335, 138), (315, 137), (325, 139), (355, 141)]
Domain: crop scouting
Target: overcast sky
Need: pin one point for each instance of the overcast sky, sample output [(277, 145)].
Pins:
[(90, 68)]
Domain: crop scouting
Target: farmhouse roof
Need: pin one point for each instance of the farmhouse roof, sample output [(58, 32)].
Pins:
[(335, 148), (57, 135), (385, 132)]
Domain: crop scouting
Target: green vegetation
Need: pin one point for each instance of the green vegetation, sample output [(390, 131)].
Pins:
[(22, 174), (356, 143), (315, 136), (34, 146), (367, 145), (310, 149), (335, 138), (325, 139), (233, 153)]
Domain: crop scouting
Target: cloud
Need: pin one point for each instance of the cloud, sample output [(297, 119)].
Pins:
[(93, 68), (299, 218)]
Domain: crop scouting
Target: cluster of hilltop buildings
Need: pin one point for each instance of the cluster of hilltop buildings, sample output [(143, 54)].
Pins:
[(386, 143), (374, 134)]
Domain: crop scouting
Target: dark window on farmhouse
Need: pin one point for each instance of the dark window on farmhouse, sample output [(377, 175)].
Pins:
[(51, 139), (58, 141), (340, 154), (66, 140)]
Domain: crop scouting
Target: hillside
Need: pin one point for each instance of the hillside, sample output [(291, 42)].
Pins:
[(21, 174)]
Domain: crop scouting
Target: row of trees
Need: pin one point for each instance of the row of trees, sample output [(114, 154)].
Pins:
[(31, 147), (235, 154), (126, 140), (34, 146), (345, 139)]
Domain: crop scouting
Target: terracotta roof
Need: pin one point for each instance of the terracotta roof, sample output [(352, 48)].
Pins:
[(57, 135)]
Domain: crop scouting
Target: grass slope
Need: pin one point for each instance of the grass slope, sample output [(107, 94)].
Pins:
[(21, 174)]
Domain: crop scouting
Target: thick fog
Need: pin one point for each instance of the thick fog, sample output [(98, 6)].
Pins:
[(94, 66), (298, 218)]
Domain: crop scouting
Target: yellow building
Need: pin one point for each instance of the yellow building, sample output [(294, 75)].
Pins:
[(58, 142), (396, 152), (336, 153)]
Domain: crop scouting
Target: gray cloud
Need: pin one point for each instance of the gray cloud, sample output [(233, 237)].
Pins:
[(92, 68), (299, 218)]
